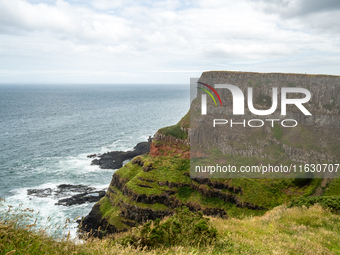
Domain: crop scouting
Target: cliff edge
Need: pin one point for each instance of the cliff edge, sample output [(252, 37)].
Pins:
[(152, 185)]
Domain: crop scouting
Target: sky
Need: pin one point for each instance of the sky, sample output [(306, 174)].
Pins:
[(170, 41)]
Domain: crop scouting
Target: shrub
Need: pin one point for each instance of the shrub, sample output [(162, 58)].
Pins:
[(306, 180), (301, 182), (330, 202), (183, 228)]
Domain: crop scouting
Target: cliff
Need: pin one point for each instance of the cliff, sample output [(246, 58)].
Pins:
[(152, 185), (315, 139)]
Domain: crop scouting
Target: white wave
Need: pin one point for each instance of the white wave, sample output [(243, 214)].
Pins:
[(47, 213), (126, 161), (119, 145), (80, 165)]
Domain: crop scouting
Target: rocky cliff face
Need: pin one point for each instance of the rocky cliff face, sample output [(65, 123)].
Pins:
[(315, 139), (152, 185), (168, 145), (325, 89)]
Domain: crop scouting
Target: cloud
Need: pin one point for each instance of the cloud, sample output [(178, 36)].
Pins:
[(293, 8), (321, 16), (108, 4), (64, 21), (110, 38)]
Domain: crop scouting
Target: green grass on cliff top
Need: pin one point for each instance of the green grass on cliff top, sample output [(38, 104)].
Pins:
[(267, 193), (118, 197), (166, 168), (176, 130)]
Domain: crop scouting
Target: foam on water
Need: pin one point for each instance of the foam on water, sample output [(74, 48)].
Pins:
[(43, 208), (48, 131), (64, 170), (47, 212), (119, 145)]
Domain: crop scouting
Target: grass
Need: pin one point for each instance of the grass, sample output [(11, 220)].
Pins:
[(296, 230), (183, 228), (176, 130), (277, 131), (111, 214), (276, 191), (166, 168), (129, 170), (331, 202), (333, 188), (214, 202), (119, 197)]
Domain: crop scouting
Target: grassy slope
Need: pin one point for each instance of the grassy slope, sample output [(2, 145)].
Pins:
[(172, 169), (280, 231)]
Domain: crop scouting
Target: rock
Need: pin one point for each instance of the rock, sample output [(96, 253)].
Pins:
[(114, 159), (65, 189), (60, 191), (82, 198), (144, 186), (94, 225), (138, 161), (39, 192), (85, 194), (147, 167), (146, 180)]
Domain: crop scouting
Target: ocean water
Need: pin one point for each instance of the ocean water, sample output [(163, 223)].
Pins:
[(47, 131)]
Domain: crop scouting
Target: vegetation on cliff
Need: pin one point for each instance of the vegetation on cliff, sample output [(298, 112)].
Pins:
[(153, 185), (178, 130), (183, 228), (296, 230)]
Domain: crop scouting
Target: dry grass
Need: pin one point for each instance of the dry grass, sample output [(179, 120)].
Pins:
[(282, 230)]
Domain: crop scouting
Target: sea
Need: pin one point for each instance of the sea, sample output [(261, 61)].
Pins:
[(47, 131)]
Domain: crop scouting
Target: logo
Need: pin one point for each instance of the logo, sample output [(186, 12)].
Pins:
[(239, 102)]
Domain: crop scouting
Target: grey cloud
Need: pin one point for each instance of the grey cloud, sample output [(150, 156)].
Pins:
[(308, 7), (318, 15), (299, 8), (164, 36)]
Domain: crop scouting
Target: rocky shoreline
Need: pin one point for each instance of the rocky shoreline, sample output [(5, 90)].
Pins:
[(115, 159), (83, 193)]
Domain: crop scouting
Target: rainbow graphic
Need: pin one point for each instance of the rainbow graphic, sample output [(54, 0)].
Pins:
[(213, 90)]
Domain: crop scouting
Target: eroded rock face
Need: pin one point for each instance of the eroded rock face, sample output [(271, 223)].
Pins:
[(325, 90), (172, 202), (164, 144), (323, 127), (139, 214), (94, 225)]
